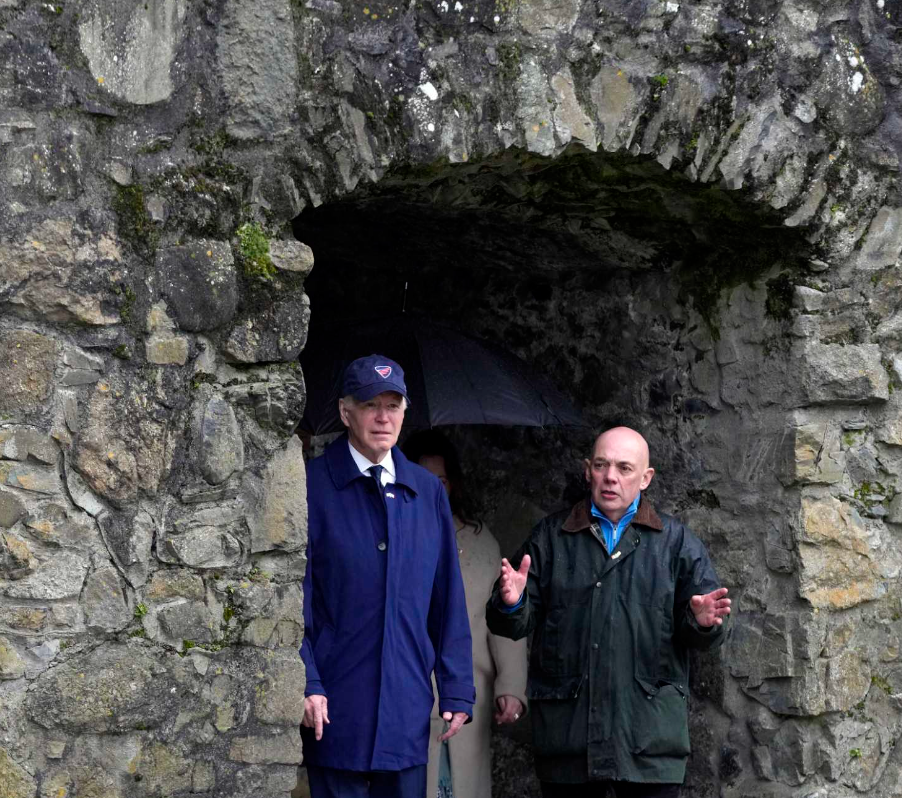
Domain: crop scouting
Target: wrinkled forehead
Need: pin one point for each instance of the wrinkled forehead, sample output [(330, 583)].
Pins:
[(618, 446)]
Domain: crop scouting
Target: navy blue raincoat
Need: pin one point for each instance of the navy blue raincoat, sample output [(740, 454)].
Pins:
[(384, 607)]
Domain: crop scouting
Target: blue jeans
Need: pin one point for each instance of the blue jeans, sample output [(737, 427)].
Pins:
[(334, 783)]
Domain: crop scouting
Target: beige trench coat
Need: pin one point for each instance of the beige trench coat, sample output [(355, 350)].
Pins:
[(499, 668)]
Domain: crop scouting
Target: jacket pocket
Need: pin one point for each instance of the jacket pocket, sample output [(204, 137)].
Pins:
[(553, 707), (660, 723), (544, 687)]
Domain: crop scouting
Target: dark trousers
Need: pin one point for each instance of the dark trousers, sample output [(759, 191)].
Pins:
[(333, 783), (600, 789)]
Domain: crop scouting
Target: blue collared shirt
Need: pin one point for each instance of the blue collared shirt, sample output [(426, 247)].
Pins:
[(610, 530)]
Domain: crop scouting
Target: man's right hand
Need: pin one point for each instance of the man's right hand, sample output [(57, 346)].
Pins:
[(513, 582), (316, 713)]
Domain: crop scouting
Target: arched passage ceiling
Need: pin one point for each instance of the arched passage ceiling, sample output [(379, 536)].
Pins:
[(577, 216)]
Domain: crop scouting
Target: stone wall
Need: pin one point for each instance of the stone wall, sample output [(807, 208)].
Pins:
[(152, 305)]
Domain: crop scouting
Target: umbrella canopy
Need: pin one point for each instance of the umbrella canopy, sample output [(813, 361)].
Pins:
[(452, 378)]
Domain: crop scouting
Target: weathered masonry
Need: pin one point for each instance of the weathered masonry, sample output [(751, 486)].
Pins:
[(687, 213)]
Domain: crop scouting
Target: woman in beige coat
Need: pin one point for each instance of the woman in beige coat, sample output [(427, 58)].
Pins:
[(499, 664)]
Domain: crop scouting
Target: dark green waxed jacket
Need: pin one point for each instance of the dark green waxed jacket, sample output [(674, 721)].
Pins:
[(609, 666)]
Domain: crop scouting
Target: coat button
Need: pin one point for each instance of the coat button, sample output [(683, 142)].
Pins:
[(598, 584), (382, 545), (595, 646)]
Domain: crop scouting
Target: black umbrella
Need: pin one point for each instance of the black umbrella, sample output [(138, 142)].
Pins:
[(452, 378)]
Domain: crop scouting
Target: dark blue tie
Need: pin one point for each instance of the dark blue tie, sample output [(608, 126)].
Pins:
[(376, 473)]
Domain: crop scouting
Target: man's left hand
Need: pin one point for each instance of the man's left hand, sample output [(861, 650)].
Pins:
[(710, 609), (509, 709), (457, 721)]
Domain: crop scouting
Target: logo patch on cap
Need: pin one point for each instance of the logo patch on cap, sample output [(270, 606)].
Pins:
[(383, 371)]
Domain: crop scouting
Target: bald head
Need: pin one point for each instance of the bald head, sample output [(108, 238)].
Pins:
[(618, 470)]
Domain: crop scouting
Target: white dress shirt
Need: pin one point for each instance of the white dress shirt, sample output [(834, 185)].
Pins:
[(388, 465)]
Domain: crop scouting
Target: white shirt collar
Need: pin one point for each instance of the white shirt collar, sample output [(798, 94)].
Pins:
[(388, 464)]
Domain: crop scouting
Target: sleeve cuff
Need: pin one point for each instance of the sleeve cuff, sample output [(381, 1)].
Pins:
[(506, 609), (455, 705), (314, 688)]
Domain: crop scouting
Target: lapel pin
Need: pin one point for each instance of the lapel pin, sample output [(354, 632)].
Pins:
[(390, 495), (616, 554)]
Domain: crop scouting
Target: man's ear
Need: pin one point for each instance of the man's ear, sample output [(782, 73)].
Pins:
[(343, 412), (588, 466), (647, 477)]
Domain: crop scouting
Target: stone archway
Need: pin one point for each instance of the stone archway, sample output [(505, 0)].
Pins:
[(152, 158)]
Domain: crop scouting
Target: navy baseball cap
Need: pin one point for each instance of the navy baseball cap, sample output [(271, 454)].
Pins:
[(369, 376)]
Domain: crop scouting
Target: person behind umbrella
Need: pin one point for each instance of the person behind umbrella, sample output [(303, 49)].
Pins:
[(462, 767), (616, 595), (384, 604)]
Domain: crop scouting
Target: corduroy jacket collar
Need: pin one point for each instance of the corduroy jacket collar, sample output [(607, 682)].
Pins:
[(580, 516)]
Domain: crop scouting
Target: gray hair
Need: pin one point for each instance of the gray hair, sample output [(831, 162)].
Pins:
[(350, 400)]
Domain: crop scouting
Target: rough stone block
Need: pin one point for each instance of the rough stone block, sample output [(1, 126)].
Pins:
[(221, 445), (104, 601), (12, 510), (81, 495), (837, 579), (11, 664), (199, 283), (108, 466), (116, 688), (818, 455), (167, 350), (131, 46), (30, 477), (275, 334), (26, 619), (837, 374), (282, 748), (203, 547), (164, 771), (283, 522), (16, 560), (848, 680), (203, 779), (175, 583), (24, 443), (291, 256), (15, 782), (27, 363), (42, 274), (61, 577), (83, 368), (188, 620), (883, 243), (280, 701), (129, 539), (258, 68)]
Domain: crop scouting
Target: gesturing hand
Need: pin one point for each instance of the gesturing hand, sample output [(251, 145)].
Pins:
[(710, 609), (513, 582), (457, 720), (316, 713)]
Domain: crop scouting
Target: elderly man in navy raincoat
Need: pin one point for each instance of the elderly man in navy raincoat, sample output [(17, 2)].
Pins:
[(384, 603)]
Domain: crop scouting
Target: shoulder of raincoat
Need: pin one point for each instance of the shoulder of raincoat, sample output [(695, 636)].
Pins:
[(384, 609), (609, 665)]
